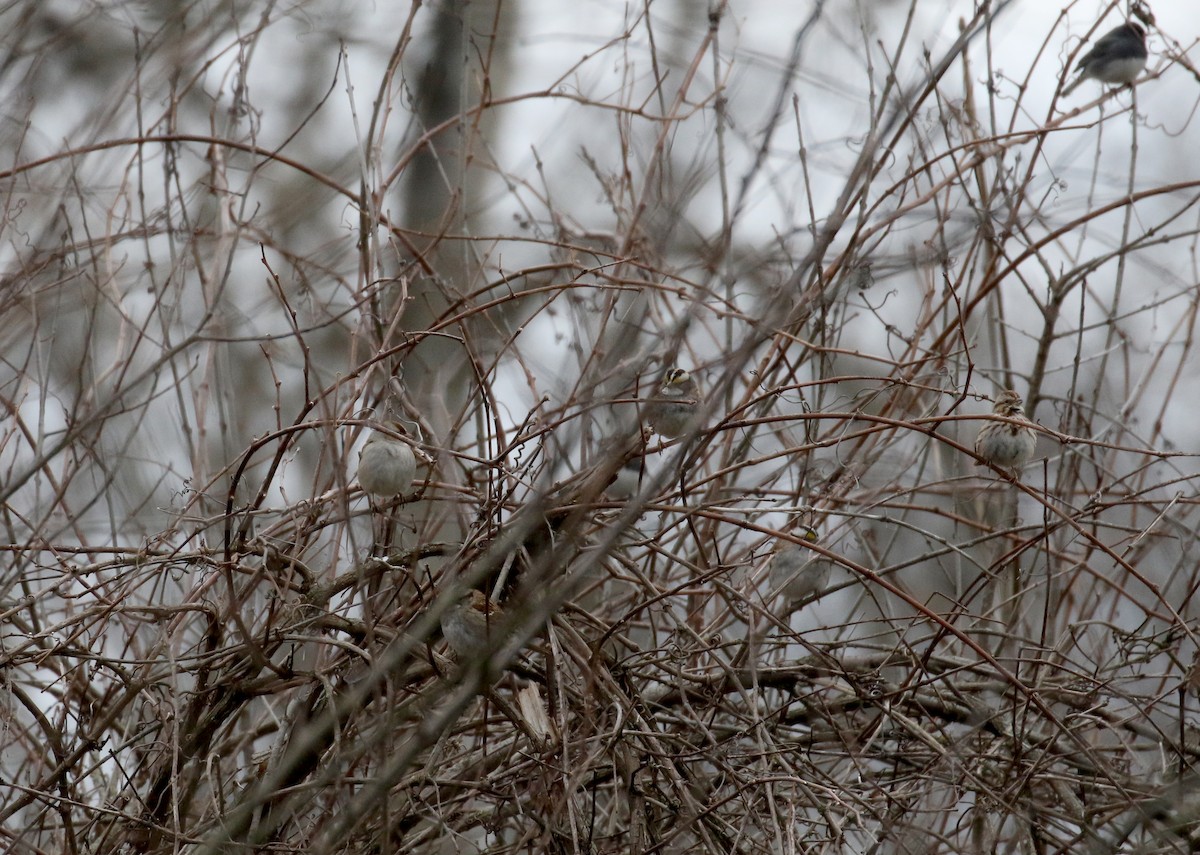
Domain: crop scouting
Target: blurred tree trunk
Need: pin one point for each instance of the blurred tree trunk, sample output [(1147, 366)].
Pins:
[(467, 63)]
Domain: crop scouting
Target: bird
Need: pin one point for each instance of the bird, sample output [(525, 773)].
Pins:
[(1010, 444), (386, 466), (471, 625), (798, 573), (672, 410), (1117, 57)]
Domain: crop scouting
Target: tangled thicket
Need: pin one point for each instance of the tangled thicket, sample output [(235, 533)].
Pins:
[(238, 238)]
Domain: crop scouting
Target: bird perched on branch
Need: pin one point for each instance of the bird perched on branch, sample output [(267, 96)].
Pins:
[(674, 406), (1010, 444), (796, 572), (386, 466), (1117, 57), (471, 626)]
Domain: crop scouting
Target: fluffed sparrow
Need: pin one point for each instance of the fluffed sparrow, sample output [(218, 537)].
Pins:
[(471, 626), (386, 466), (1008, 445), (798, 573), (1117, 57), (671, 411)]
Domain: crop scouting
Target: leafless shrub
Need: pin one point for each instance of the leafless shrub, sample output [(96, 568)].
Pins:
[(239, 235)]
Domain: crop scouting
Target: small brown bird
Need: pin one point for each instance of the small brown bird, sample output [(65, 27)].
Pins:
[(673, 408), (386, 466), (1008, 445), (471, 626), (798, 573)]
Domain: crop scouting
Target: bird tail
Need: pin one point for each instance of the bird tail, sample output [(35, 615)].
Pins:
[(1070, 87)]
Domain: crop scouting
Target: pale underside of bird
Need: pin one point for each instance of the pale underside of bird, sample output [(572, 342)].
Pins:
[(386, 466), (1008, 444)]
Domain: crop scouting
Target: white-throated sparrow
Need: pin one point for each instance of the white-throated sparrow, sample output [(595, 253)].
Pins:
[(1008, 445), (798, 573), (471, 626), (386, 466), (674, 406)]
